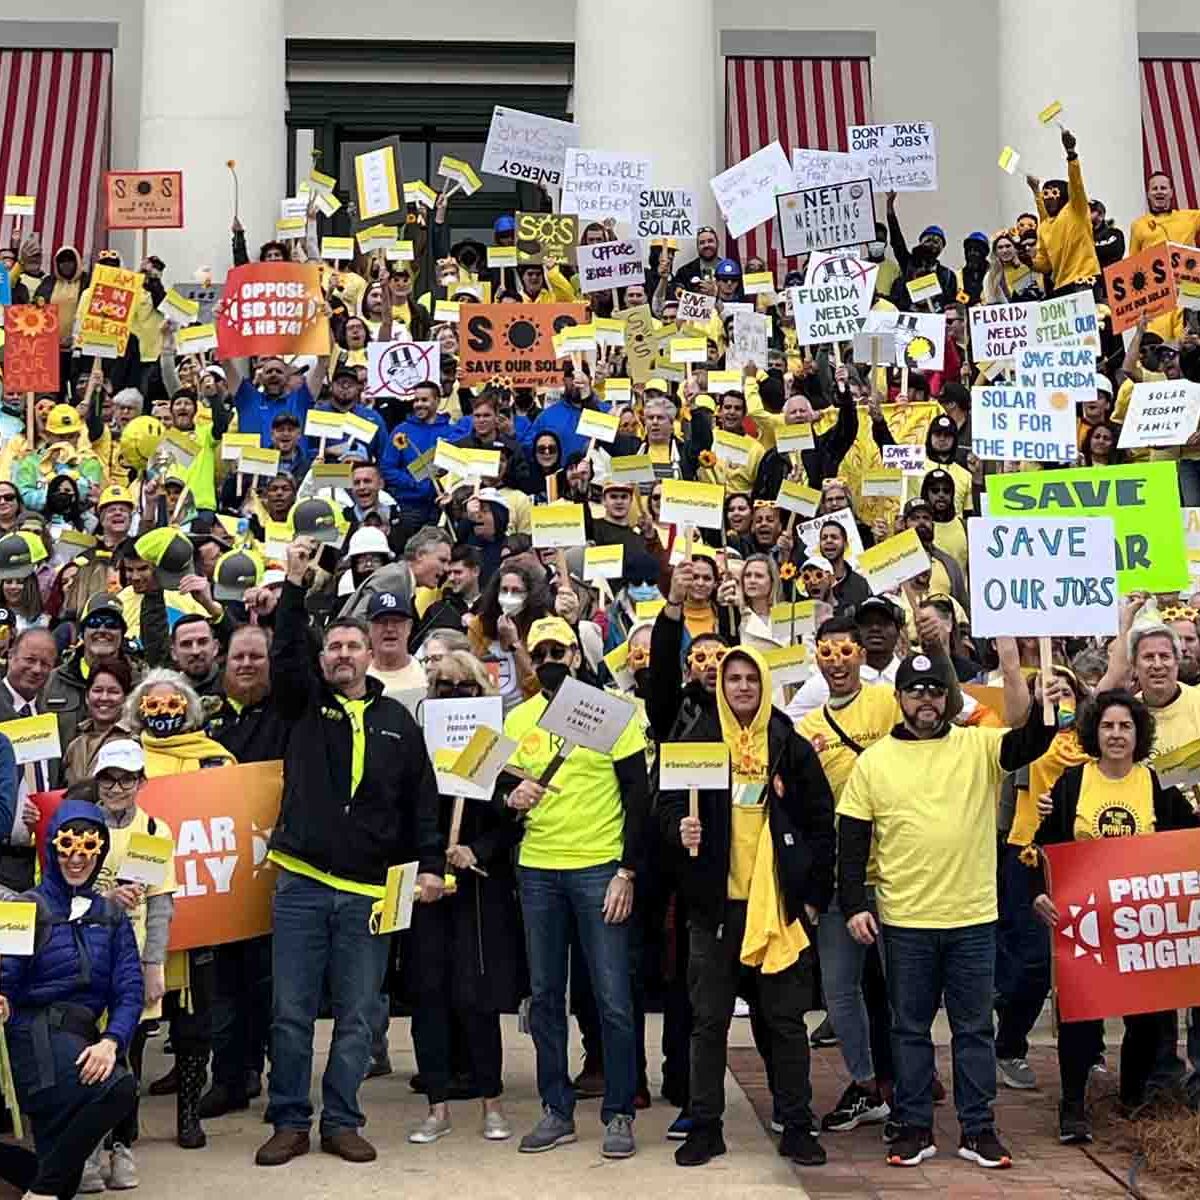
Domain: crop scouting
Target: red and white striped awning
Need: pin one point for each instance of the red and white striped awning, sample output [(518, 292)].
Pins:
[(803, 103), (1171, 124), (55, 106)]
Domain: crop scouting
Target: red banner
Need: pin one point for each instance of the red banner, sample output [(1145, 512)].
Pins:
[(1128, 936), (272, 308), (31, 348), (514, 341)]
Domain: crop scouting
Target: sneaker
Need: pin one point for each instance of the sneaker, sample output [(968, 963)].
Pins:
[(856, 1107), (1016, 1073), (680, 1128), (379, 1065), (703, 1142), (92, 1180), (552, 1130), (984, 1149), (799, 1144), (823, 1036), (912, 1147), (430, 1130), (892, 1130), (496, 1127), (618, 1138), (124, 1174), (1074, 1128)]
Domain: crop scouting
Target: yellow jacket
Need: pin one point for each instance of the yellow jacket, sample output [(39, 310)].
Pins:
[(1152, 229), (1066, 246)]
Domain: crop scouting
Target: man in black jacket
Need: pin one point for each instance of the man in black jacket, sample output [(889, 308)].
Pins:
[(772, 828), (359, 796)]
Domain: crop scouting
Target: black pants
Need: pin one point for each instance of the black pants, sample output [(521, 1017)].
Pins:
[(714, 971), (241, 1012), (126, 1132), (1079, 1042), (191, 1024)]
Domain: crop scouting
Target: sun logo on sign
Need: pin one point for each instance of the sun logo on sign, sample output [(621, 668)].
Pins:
[(1085, 928), (1138, 281), (920, 350), (1059, 401), (521, 334)]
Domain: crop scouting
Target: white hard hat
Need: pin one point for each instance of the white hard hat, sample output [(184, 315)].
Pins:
[(369, 540)]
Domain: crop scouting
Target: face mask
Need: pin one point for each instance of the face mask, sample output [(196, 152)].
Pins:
[(551, 674), (511, 603), (163, 716), (1066, 717), (60, 502), (875, 251), (639, 592), (165, 725)]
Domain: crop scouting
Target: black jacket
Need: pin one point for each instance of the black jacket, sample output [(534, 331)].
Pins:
[(1110, 244), (801, 822), (392, 818), (668, 699), (820, 463), (258, 733), (849, 593)]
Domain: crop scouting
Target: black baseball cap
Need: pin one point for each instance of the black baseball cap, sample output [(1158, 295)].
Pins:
[(101, 608), (389, 604), (920, 668), (881, 605), (917, 504), (345, 369), (315, 518), (285, 417), (236, 571)]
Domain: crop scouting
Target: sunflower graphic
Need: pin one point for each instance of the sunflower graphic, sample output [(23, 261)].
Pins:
[(708, 458), (787, 571), (27, 321), (919, 350), (400, 440)]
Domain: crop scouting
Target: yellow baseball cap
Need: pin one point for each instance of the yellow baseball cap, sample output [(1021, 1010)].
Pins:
[(63, 419), (657, 384), (551, 629), (115, 494)]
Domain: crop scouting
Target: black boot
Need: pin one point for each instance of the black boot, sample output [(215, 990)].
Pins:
[(191, 1071)]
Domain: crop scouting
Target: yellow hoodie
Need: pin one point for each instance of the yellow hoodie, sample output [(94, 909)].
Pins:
[(1066, 246), (1152, 229)]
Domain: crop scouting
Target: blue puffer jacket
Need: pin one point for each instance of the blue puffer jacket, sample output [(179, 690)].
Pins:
[(418, 436), (92, 961)]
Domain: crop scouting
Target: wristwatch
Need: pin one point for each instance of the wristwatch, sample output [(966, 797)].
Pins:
[(626, 874)]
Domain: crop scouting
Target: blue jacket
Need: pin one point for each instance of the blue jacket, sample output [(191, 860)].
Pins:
[(419, 436), (561, 418), (92, 961), (8, 783), (256, 411)]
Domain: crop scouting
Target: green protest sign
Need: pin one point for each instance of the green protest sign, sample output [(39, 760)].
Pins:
[(1141, 498)]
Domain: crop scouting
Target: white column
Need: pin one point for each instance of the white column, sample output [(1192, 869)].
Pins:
[(1089, 62), (646, 82), (213, 90)]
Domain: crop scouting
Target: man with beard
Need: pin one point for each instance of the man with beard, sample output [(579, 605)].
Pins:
[(949, 530), (194, 651), (945, 574), (703, 266), (850, 589)]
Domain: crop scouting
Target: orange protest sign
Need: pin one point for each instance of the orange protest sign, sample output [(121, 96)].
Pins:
[(31, 362), (514, 340), (143, 199), (1141, 283), (1128, 937), (1185, 263), (272, 308)]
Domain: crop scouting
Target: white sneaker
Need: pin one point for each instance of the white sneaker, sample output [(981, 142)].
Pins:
[(430, 1130), (124, 1174), (93, 1174), (496, 1127)]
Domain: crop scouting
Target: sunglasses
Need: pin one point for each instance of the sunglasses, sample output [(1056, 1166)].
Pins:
[(812, 575), (103, 621), (701, 660), (8, 497), (829, 652), (88, 843), (154, 706), (555, 651), (932, 690), (445, 690)]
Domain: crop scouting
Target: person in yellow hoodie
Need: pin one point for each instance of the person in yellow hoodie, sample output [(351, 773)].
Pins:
[(1066, 247), (756, 869), (1163, 222)]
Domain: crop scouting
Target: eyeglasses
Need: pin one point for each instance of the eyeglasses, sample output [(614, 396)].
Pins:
[(118, 783), (702, 659), (639, 657), (67, 843), (813, 575), (553, 650), (932, 690), (829, 652)]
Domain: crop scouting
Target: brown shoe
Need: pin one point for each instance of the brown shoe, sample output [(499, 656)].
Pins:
[(350, 1145), (282, 1146)]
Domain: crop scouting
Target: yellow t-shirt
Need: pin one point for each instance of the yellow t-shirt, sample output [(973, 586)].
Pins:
[(179, 604), (110, 872), (746, 823), (868, 718), (1065, 751), (932, 803), (1114, 807), (951, 537), (1177, 723), (583, 823)]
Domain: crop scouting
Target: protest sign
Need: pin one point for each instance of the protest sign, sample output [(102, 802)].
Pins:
[(749, 344), (585, 716), (394, 912), (820, 168), (527, 146), (31, 358), (758, 283), (1163, 413), (395, 368), (924, 287), (604, 265), (379, 183), (260, 461), (481, 760), (177, 309), (891, 562), (698, 504), (19, 206), (887, 483), (632, 468), (99, 345), (746, 192), (601, 184), (460, 173), (898, 158), (666, 212), (683, 765), (1189, 295), (797, 498), (1128, 938), (792, 620), (111, 298), (446, 311), (273, 308), (18, 926), (822, 218), (1042, 577), (143, 199), (1000, 331), (196, 339), (339, 249), (1069, 371), (919, 337), (1014, 423), (830, 312), (592, 423), (1185, 263), (450, 724), (794, 437), (557, 526), (720, 382), (732, 449), (809, 532), (514, 340), (788, 664), (1142, 284), (603, 562), (910, 460), (206, 296), (545, 235), (1008, 160), (500, 257), (688, 349), (1141, 498), (146, 859), (695, 308), (640, 342), (874, 349), (34, 739), (464, 462)]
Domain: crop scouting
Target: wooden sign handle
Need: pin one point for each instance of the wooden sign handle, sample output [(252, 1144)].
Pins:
[(456, 820), (694, 813)]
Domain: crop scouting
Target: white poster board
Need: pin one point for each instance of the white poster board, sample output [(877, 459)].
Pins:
[(819, 168), (395, 368), (898, 158), (605, 265), (1063, 370), (666, 212), (1013, 424), (602, 184), (527, 146), (746, 192), (823, 218), (749, 344), (1162, 413), (586, 716), (920, 338)]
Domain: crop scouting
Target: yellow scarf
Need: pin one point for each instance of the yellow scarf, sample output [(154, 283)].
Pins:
[(181, 752), (748, 747)]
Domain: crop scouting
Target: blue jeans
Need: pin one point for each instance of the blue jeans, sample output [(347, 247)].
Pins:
[(1189, 481), (1022, 959), (319, 929), (842, 962), (553, 901), (922, 965)]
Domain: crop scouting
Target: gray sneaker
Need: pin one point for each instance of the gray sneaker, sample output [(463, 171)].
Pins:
[(430, 1130), (124, 1170), (618, 1138), (552, 1130), (1016, 1073), (92, 1180)]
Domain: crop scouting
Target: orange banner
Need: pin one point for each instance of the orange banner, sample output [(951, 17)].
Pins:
[(514, 341), (1142, 283), (1128, 936), (272, 308), (31, 362), (143, 199)]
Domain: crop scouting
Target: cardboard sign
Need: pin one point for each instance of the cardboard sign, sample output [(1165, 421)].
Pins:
[(460, 172), (758, 283), (751, 332), (325, 477), (1067, 371), (395, 368), (731, 448), (557, 526), (632, 469), (18, 925), (179, 309), (146, 859), (1163, 413), (259, 461), (481, 760), (793, 620), (514, 340), (1185, 263), (794, 438), (338, 249), (720, 382), (822, 218), (586, 716), (99, 345), (1126, 942), (891, 562), (545, 235), (698, 504), (34, 739), (809, 532), (1011, 424), (379, 183), (746, 192), (887, 483), (196, 339), (233, 444), (640, 342), (465, 462), (924, 288), (919, 337), (451, 724), (820, 168), (143, 199), (909, 460), (1000, 331), (113, 294), (695, 308), (688, 349), (797, 498), (399, 892), (829, 312), (1042, 577), (1142, 499), (603, 562), (604, 265), (701, 765), (527, 147), (31, 349), (273, 308), (593, 423), (599, 185), (665, 212), (1143, 283), (898, 158), (1189, 295), (788, 664)]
